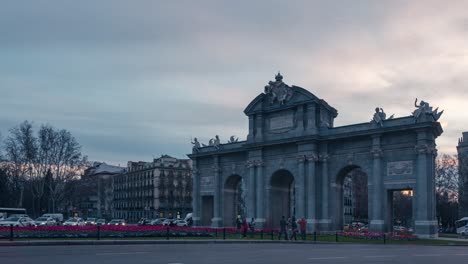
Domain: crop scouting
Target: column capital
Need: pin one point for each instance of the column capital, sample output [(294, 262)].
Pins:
[(250, 164), (216, 169), (377, 153), (425, 149), (312, 158), (258, 163), (301, 159), (324, 157)]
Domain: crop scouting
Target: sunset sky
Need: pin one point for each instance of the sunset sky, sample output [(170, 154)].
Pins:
[(136, 79)]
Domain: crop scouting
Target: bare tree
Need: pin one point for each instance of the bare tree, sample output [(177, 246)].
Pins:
[(446, 176), (20, 147), (67, 163)]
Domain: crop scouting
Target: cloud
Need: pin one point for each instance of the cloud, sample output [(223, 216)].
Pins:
[(134, 79)]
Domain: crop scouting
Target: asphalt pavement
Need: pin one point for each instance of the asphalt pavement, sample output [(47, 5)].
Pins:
[(235, 254)]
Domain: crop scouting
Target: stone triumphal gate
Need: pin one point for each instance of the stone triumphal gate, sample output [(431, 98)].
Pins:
[(294, 162)]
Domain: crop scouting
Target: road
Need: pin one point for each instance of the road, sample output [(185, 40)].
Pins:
[(235, 254)]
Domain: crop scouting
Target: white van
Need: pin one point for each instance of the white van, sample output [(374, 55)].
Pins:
[(56, 217)]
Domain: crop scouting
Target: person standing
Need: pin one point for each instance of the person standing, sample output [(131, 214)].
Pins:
[(303, 227), (283, 229)]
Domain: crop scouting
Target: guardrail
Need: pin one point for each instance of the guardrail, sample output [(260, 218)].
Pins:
[(165, 232)]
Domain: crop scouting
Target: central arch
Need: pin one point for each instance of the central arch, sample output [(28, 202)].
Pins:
[(234, 200), (351, 196), (282, 197)]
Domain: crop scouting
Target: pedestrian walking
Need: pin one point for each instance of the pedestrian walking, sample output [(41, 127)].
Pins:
[(245, 227), (238, 225), (289, 228), (283, 229), (293, 228), (252, 226), (303, 227)]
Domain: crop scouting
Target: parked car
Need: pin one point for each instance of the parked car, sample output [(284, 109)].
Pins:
[(57, 217), (117, 222), (101, 221), (181, 223), (90, 221), (74, 222), (17, 221), (45, 221)]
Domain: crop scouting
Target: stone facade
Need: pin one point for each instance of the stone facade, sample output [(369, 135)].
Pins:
[(462, 149), (294, 161), (98, 197), (162, 188)]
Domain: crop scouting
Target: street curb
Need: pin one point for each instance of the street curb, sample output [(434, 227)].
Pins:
[(152, 242), (175, 242)]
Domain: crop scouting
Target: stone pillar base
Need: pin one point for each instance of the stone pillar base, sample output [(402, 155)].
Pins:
[(425, 228), (377, 226), (324, 225), (260, 223), (196, 221), (311, 225), (216, 222)]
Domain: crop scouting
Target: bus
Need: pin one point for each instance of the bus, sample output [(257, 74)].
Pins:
[(6, 212), (460, 224)]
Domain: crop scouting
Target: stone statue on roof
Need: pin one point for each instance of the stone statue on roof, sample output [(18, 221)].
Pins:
[(278, 91), (380, 116), (424, 108), (233, 139), (196, 145)]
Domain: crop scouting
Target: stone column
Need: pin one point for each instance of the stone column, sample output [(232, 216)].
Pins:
[(377, 223), (251, 190), (196, 194), (217, 218), (325, 221), (259, 127), (425, 222), (260, 208), (311, 193), (300, 187)]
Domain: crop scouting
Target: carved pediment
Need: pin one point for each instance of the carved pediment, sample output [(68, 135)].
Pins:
[(278, 95)]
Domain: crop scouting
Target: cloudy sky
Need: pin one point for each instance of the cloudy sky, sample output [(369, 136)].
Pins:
[(136, 79)]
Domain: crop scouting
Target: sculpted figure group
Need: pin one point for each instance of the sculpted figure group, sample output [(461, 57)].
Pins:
[(213, 142), (423, 108)]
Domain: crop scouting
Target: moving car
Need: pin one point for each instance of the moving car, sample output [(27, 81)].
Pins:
[(181, 223), (101, 221), (169, 222), (117, 222), (45, 221), (17, 221), (90, 221), (57, 217), (158, 221), (144, 221), (74, 222), (464, 232)]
